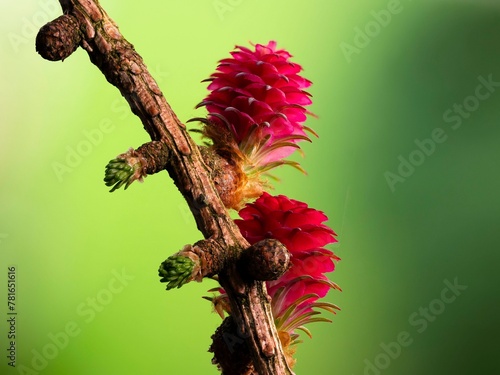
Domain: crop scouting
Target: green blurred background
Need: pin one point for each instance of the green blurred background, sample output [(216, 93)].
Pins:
[(374, 95)]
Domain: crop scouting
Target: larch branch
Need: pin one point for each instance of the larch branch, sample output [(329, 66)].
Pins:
[(86, 24)]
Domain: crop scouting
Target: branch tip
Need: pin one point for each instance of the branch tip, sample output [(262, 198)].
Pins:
[(176, 271), (134, 165), (265, 260), (58, 39)]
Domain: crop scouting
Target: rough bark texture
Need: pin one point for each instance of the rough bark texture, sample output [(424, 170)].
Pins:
[(265, 260), (230, 350), (86, 24), (156, 156)]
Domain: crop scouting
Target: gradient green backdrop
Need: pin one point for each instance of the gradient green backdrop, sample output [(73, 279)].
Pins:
[(68, 236)]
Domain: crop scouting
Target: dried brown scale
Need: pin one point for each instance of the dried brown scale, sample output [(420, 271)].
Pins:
[(113, 55)]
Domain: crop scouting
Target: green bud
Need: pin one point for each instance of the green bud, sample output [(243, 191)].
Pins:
[(119, 172), (176, 271)]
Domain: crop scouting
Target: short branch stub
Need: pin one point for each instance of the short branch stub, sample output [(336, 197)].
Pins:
[(265, 260), (58, 39)]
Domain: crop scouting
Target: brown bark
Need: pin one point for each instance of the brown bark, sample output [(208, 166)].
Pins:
[(86, 24)]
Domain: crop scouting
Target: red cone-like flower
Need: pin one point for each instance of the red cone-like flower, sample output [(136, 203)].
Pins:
[(300, 228), (257, 100)]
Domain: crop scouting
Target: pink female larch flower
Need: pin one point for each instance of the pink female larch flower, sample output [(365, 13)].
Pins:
[(257, 100), (294, 295), (301, 229)]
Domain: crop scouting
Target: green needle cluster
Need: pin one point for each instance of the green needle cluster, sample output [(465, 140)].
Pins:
[(176, 271), (119, 172)]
